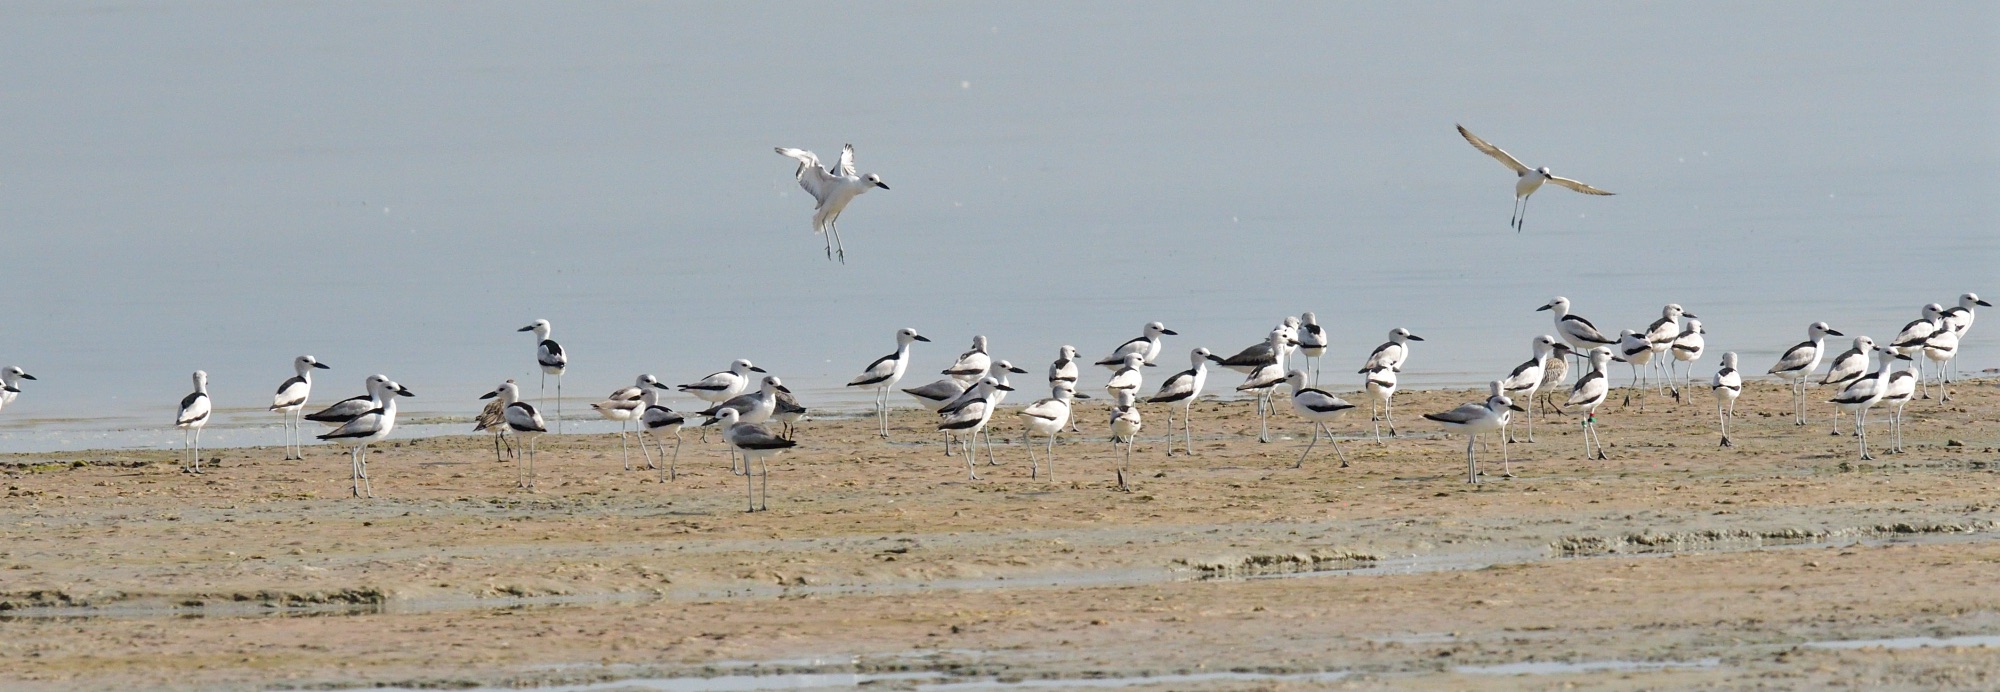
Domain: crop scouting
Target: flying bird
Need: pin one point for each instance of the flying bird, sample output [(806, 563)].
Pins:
[(832, 189), (1530, 179)]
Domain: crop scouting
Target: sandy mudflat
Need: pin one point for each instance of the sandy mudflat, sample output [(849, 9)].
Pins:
[(1674, 564)]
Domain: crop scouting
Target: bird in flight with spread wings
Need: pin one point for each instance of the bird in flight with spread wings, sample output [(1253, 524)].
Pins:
[(1531, 179), (832, 189)]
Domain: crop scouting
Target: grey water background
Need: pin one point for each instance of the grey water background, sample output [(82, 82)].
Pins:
[(396, 187)]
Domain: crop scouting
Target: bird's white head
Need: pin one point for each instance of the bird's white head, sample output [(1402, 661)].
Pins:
[(907, 335), (874, 181), (1729, 360), (1970, 300), (1199, 356), (539, 327), (1559, 304), (743, 368), (201, 380), (1156, 329)]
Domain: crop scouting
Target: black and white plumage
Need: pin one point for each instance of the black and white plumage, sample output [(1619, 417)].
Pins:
[(968, 420), (527, 426), (723, 386), (1686, 349), (1939, 349), (1958, 317), (1147, 345), (1129, 377), (550, 357), (1727, 385), (367, 428), (1125, 424), (1798, 363), (10, 384), (623, 405), (1901, 387), (1578, 332), (1476, 419), (1048, 417), (1064, 369), (998, 370), (972, 364), (753, 408), (1260, 354), (657, 422), (1589, 392), (1312, 343), (1633, 349), (289, 401), (832, 188), (1394, 352), (1910, 341), (193, 414), (1661, 335), (493, 418), (350, 408), (1262, 379), (1378, 386), (756, 444), (1527, 180), (1320, 407), (1184, 388), (1526, 378), (1847, 367), (1863, 392), (883, 374)]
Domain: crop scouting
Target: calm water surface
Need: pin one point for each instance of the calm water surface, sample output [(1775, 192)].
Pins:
[(396, 187)]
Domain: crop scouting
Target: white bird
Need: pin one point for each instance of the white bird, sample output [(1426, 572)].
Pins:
[(1048, 417), (756, 443), (549, 355), (658, 422), (289, 401), (1394, 352), (1476, 419), (998, 370), (350, 408), (1184, 388), (1940, 349), (1129, 377), (752, 407), (1312, 343), (1863, 393), (1264, 378), (1633, 349), (885, 372), (1847, 367), (1798, 363), (723, 386), (193, 414), (1125, 425), (1574, 329), (1529, 179), (624, 405), (972, 364), (1378, 384), (1589, 393), (969, 419), (1526, 379), (527, 426), (367, 428), (1064, 369), (1727, 385), (1959, 317), (10, 384), (1910, 341), (1320, 407), (831, 188), (1902, 386), (1146, 345), (1687, 348), (1661, 334)]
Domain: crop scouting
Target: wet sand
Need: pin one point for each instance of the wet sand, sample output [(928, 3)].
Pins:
[(1673, 564)]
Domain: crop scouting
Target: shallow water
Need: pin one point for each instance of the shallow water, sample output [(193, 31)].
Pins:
[(397, 187)]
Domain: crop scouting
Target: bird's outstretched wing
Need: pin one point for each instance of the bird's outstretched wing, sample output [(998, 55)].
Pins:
[(847, 160), (815, 180), (1496, 152), (1575, 185)]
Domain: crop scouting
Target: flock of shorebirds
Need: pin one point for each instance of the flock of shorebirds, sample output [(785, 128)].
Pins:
[(1285, 363)]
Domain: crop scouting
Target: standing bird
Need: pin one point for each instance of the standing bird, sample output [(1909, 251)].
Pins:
[(1958, 317), (832, 189), (624, 405), (789, 413), (193, 414), (1127, 378), (1320, 407), (549, 355), (350, 408), (1940, 349), (10, 384), (370, 427), (1379, 385), (1862, 394), (756, 443), (1661, 335), (1727, 385), (1183, 388), (723, 386), (997, 370), (494, 417), (1589, 393), (1910, 341), (1064, 369), (1687, 348), (1529, 179), (1901, 387), (1476, 419), (1847, 367), (972, 364), (753, 407), (1526, 378), (1574, 329), (1264, 378), (1146, 345), (1048, 417), (1554, 369), (1125, 425), (1634, 350), (657, 422), (289, 401), (1312, 343), (1798, 363), (1394, 352), (968, 420), (527, 426), (885, 372)]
